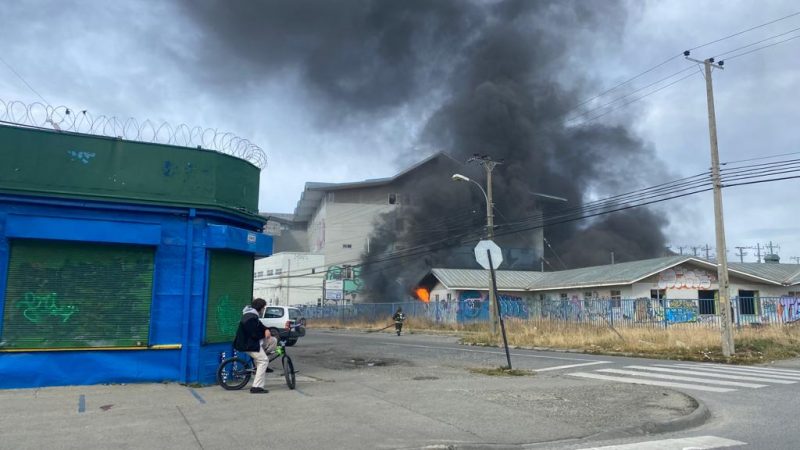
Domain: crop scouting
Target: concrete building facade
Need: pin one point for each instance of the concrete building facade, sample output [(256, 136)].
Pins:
[(670, 289), (338, 219), (290, 278)]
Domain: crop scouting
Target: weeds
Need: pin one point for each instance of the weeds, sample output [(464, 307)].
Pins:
[(680, 342)]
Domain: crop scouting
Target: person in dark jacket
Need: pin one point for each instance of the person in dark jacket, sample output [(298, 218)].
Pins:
[(399, 318), (250, 338)]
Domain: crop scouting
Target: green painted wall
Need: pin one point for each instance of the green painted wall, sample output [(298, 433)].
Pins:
[(74, 165)]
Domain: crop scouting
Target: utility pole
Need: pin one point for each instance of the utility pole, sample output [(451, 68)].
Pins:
[(758, 250), (708, 252), (488, 166), (680, 249), (796, 259), (728, 348), (741, 253)]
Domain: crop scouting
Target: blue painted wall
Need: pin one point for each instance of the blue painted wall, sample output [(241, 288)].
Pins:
[(182, 238)]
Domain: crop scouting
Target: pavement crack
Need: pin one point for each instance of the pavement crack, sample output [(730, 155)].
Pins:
[(190, 427), (425, 415)]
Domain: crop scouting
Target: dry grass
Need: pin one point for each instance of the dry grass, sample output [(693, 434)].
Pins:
[(410, 326), (502, 372), (684, 342), (681, 342)]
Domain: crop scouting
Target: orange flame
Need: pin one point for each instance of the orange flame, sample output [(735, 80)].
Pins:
[(423, 294)]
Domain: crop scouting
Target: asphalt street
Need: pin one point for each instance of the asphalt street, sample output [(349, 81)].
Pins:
[(378, 390)]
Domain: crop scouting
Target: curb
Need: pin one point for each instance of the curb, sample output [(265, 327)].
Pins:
[(698, 417)]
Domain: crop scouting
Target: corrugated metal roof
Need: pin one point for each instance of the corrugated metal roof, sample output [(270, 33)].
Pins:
[(781, 273), (611, 274), (608, 275), (507, 280)]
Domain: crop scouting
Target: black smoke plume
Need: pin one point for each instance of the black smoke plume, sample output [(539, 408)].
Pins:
[(504, 76)]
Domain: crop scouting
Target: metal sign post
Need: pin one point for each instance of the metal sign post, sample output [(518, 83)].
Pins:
[(499, 312)]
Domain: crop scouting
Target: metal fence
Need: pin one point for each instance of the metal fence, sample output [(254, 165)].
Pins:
[(644, 312)]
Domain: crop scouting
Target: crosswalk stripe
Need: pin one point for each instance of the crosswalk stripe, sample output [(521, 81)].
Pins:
[(713, 374), (697, 442), (755, 368), (570, 366), (734, 370), (649, 382), (682, 378)]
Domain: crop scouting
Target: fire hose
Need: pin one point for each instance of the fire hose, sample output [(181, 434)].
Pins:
[(375, 331)]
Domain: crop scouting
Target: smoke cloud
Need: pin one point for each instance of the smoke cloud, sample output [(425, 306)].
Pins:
[(506, 74)]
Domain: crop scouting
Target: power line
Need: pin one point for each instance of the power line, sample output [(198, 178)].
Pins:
[(671, 58), (762, 48), (24, 80)]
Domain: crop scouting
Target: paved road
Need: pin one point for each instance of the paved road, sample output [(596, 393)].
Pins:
[(756, 407), (360, 390)]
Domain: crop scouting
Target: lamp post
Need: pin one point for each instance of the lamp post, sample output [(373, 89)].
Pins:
[(489, 235)]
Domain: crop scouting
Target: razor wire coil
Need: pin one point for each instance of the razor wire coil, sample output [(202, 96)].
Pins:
[(62, 118)]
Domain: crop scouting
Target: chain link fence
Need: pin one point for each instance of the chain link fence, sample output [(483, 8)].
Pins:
[(745, 311)]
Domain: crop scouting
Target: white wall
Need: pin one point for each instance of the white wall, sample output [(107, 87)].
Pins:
[(347, 229), (286, 278)]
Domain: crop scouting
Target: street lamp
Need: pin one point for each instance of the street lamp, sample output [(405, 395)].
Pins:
[(495, 318), (489, 213)]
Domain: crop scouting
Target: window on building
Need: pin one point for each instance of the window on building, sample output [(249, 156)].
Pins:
[(313, 270), (260, 273), (795, 294), (436, 297), (564, 296), (658, 294), (278, 271), (392, 199), (707, 302), (270, 272), (616, 299), (747, 302), (319, 301), (347, 245), (587, 295), (449, 297)]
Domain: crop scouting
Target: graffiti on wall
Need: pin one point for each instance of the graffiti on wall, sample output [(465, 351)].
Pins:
[(682, 311), (788, 309), (474, 305), (227, 319), (37, 307), (682, 278)]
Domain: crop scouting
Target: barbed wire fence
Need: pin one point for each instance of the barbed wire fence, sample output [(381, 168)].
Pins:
[(63, 118)]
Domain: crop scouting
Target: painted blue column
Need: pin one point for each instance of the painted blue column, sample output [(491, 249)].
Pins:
[(187, 297)]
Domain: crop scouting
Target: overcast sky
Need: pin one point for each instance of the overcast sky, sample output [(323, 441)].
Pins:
[(155, 60)]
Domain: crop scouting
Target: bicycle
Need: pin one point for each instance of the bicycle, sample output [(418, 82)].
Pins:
[(234, 373)]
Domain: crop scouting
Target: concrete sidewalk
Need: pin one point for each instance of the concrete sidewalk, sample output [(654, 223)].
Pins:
[(364, 407)]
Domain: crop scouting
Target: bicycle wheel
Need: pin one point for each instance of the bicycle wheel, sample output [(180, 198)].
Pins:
[(288, 371), (233, 374)]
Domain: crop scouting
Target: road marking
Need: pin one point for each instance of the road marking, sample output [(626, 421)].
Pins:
[(736, 371), (649, 382), (197, 396), (681, 378), (487, 351), (698, 442), (81, 403), (570, 366), (756, 368), (711, 374)]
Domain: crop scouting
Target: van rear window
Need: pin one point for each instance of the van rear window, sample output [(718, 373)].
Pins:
[(273, 313)]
